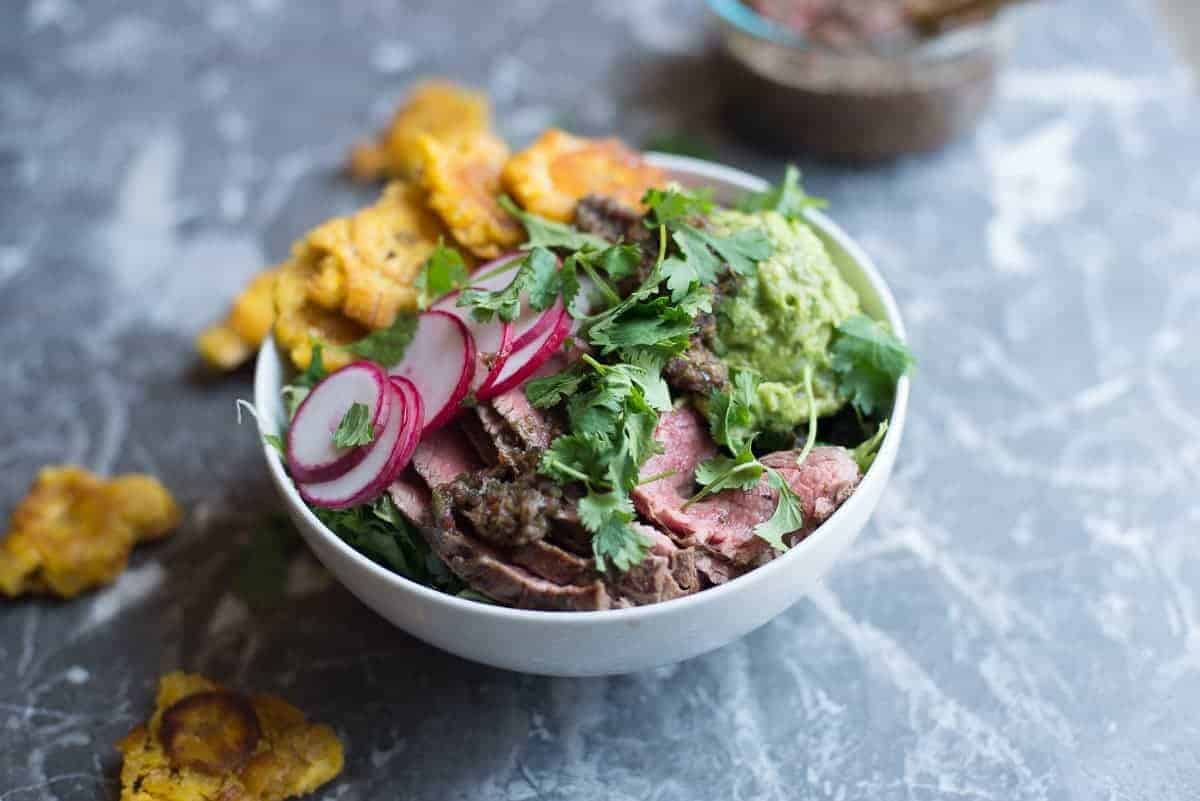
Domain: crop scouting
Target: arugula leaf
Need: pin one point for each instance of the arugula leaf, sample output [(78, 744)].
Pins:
[(614, 542), (315, 371), (444, 271), (864, 455), (355, 428), (788, 515), (380, 532), (788, 197), (671, 206), (545, 233), (869, 360), (386, 346)]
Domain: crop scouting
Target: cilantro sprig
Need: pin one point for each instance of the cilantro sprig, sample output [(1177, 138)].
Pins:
[(868, 360), (355, 428), (387, 346), (788, 197), (443, 272)]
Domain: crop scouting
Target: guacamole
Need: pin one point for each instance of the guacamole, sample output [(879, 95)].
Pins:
[(781, 319)]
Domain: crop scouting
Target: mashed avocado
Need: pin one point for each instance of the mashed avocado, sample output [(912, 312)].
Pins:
[(781, 319)]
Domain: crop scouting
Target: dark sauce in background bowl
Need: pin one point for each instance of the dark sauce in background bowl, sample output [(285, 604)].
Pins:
[(850, 79)]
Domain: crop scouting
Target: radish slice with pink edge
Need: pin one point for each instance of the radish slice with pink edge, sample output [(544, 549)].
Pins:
[(384, 460), (440, 362), (522, 364), (311, 454), (413, 426)]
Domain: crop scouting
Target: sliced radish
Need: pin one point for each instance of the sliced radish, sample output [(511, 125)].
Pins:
[(385, 458), (493, 339), (440, 361), (414, 425), (311, 454), (522, 364)]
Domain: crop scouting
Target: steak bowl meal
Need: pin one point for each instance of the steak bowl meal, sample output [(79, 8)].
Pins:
[(601, 411)]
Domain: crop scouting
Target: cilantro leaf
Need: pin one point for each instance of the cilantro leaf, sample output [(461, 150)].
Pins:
[(444, 271), (545, 233), (869, 360), (731, 414), (553, 389), (386, 346), (695, 264), (788, 516), (355, 428), (741, 251), (864, 455), (635, 446), (788, 197), (536, 275), (656, 325), (671, 206), (543, 282), (572, 457), (724, 472), (608, 515)]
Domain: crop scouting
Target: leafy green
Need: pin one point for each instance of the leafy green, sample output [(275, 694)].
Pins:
[(614, 542), (723, 472), (276, 442), (656, 326), (672, 206), (731, 414), (386, 346), (444, 271), (869, 360), (295, 392), (536, 275), (553, 389), (788, 515), (380, 532), (545, 233), (788, 197), (355, 428), (864, 455)]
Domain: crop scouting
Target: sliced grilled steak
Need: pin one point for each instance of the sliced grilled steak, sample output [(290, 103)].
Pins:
[(714, 570), (551, 562), (666, 573), (487, 570), (443, 456), (824, 482), (608, 218), (697, 370), (411, 497), (508, 511), (723, 524), (529, 425)]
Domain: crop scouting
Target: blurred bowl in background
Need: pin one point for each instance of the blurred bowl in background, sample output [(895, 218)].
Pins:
[(800, 96)]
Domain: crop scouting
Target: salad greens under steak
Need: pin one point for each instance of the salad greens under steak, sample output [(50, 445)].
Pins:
[(731, 331)]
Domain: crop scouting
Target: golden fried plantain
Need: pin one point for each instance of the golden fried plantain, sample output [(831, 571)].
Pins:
[(551, 175), (301, 323), (444, 110), (211, 732), (364, 265), (74, 531), (228, 344), (205, 742), (463, 182)]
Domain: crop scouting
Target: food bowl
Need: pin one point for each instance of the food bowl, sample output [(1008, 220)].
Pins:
[(796, 95), (622, 640)]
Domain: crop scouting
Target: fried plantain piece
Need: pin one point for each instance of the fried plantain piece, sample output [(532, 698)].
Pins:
[(364, 265), (74, 530), (205, 742), (463, 182), (438, 108), (300, 323), (228, 344), (551, 175)]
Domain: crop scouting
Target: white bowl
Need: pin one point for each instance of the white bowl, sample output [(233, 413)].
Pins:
[(624, 640)]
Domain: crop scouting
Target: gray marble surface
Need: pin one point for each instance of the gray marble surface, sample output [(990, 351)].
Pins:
[(1022, 619)]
